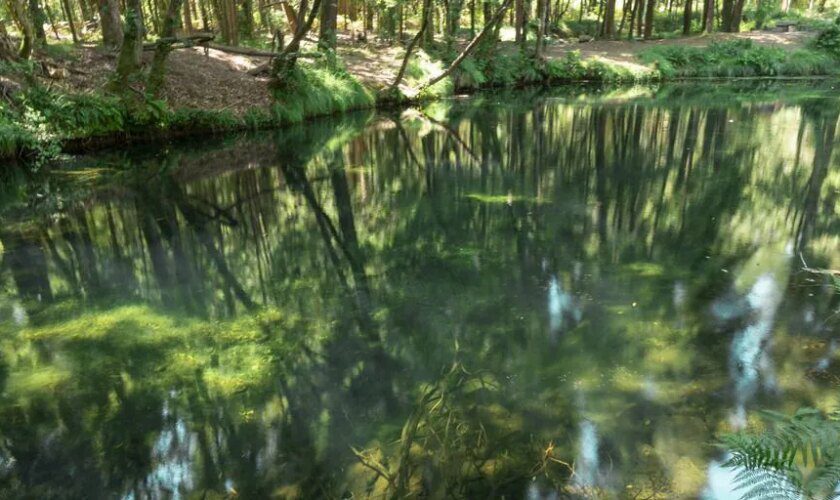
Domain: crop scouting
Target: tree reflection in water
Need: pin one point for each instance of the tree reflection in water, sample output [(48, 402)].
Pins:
[(362, 305)]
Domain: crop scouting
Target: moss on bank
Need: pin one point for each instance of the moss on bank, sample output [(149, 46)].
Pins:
[(38, 123)]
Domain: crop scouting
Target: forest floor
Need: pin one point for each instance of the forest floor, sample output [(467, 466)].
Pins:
[(216, 80)]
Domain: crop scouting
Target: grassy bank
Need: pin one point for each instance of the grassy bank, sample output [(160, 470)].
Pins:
[(738, 58), (38, 123)]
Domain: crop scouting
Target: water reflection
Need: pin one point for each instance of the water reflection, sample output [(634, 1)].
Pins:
[(530, 295)]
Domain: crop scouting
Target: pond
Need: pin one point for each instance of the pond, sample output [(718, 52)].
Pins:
[(541, 294)]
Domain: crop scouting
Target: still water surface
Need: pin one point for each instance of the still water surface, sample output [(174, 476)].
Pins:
[(521, 295)]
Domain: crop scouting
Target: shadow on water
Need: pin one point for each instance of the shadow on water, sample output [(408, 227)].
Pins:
[(521, 295)]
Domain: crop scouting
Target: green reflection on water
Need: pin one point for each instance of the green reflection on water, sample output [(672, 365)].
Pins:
[(509, 295)]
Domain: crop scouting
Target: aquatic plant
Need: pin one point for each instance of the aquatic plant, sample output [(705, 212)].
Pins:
[(797, 456)]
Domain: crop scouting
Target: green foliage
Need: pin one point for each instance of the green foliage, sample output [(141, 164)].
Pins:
[(316, 91), (186, 119), (75, 115), (828, 39), (735, 58), (506, 70), (798, 455), (572, 68)]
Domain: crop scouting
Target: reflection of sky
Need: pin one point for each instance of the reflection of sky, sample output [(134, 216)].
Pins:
[(19, 315), (172, 455), (586, 465), (750, 367), (562, 309), (722, 479), (749, 359)]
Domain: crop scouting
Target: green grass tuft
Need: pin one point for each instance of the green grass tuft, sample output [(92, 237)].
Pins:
[(316, 91)]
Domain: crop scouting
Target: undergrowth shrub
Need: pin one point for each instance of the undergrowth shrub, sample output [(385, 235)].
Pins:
[(828, 39), (313, 90), (736, 58)]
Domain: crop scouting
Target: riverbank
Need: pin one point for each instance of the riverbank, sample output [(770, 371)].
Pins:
[(214, 91)]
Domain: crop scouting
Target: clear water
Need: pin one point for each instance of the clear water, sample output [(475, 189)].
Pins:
[(525, 295)]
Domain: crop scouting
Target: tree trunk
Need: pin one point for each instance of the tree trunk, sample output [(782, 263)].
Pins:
[(472, 45), (25, 27), (453, 17), (109, 18), (608, 29), (232, 19), (687, 17), (424, 26), (709, 16), (542, 15), (188, 18), (38, 20), (128, 62), (640, 18), (625, 9), (472, 18), (246, 18), (327, 37), (157, 73), (68, 13), (205, 19), (651, 5), (634, 10), (51, 18), (519, 21), (285, 62), (735, 18)]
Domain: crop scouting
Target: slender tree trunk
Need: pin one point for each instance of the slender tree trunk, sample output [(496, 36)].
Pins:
[(24, 23), (634, 10), (246, 18), (625, 10), (735, 19), (38, 20), (542, 14), (519, 22), (608, 29), (726, 15), (188, 18), (109, 18), (286, 61), (131, 51), (651, 6), (424, 26), (368, 16), (86, 15), (232, 19), (327, 37), (709, 16), (472, 45), (68, 13), (640, 17), (687, 17), (205, 19), (472, 18), (51, 18), (157, 73), (453, 17)]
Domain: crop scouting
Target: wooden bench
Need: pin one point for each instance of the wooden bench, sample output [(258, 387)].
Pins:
[(786, 26)]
